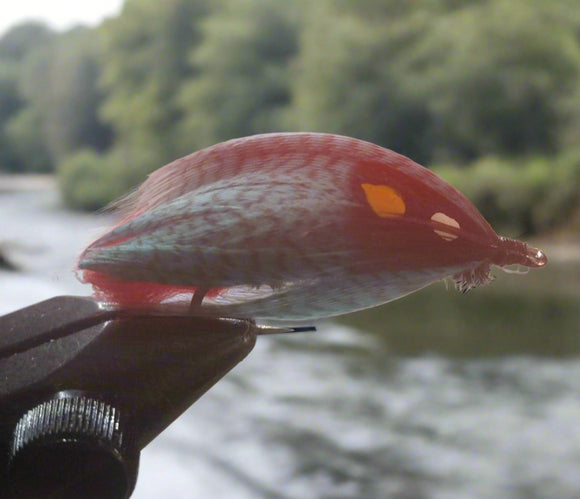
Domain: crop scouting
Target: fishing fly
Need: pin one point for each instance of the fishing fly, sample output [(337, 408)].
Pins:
[(292, 226)]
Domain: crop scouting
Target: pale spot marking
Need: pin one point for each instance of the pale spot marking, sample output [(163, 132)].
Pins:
[(441, 222)]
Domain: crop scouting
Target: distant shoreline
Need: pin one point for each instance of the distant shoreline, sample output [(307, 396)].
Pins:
[(26, 182)]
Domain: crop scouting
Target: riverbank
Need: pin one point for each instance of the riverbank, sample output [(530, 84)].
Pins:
[(561, 244), (19, 183)]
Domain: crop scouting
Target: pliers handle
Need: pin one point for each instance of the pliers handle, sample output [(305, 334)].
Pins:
[(84, 388)]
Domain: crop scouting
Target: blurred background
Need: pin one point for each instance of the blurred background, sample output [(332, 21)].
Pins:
[(435, 395)]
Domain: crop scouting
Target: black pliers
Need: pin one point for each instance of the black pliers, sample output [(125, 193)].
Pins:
[(84, 388)]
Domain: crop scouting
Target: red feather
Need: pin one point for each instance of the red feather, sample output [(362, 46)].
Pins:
[(293, 226)]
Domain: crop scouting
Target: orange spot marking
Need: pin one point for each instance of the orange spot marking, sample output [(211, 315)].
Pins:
[(385, 201)]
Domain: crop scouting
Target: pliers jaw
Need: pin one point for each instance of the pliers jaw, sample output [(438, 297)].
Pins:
[(73, 373)]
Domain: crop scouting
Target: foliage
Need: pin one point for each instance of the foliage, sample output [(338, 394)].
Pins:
[(19, 141), (145, 59), (349, 79), (54, 111), (24, 135), (494, 76), (89, 180), (9, 104), (490, 86), (19, 41), (522, 196), (241, 80)]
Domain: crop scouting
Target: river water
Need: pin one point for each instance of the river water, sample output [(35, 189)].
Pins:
[(372, 406)]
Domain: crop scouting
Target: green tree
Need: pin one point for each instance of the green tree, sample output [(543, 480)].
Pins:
[(73, 97), (241, 83), (494, 75), (15, 46), (71, 114), (17, 42), (349, 78), (145, 59), (57, 83), (10, 102)]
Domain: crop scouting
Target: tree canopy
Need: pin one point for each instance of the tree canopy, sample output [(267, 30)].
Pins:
[(453, 82)]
